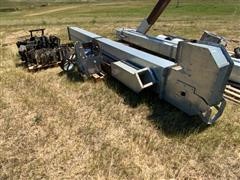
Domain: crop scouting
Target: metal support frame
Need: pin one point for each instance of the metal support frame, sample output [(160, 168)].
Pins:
[(88, 58), (36, 30)]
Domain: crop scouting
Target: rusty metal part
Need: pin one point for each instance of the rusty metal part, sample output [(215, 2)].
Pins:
[(237, 52), (157, 11), (40, 51), (36, 30), (154, 15)]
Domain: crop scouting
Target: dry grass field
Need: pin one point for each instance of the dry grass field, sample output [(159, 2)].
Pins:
[(54, 126)]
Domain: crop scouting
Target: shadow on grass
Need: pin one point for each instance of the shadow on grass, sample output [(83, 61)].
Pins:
[(165, 117), (72, 76), (171, 121)]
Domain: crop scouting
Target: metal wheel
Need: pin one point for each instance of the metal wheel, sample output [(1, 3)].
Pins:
[(68, 63)]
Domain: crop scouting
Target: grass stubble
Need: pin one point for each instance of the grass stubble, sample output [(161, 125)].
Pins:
[(53, 126)]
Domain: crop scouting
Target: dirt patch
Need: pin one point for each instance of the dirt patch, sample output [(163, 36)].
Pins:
[(113, 3), (51, 11)]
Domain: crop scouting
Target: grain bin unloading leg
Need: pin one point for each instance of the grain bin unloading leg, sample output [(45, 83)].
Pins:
[(195, 84), (166, 46)]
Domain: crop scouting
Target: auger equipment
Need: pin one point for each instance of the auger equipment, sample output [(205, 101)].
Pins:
[(195, 84), (191, 75), (166, 46)]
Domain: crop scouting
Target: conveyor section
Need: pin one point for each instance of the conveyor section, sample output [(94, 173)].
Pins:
[(136, 79), (114, 51), (194, 83), (164, 46)]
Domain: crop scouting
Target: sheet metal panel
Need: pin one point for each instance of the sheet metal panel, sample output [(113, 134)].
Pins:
[(119, 52), (235, 75), (122, 52), (78, 34), (160, 46), (168, 48)]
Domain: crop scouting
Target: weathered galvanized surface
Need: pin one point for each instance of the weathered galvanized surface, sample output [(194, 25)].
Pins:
[(165, 46), (195, 84)]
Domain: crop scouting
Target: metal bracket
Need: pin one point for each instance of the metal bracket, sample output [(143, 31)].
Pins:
[(210, 118), (88, 58)]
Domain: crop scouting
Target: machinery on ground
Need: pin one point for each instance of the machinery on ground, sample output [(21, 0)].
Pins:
[(195, 83), (191, 75), (86, 58), (168, 46), (41, 51)]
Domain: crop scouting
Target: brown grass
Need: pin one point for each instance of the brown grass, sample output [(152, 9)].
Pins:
[(53, 126)]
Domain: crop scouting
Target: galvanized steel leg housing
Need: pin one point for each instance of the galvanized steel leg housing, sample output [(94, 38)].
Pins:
[(195, 84)]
